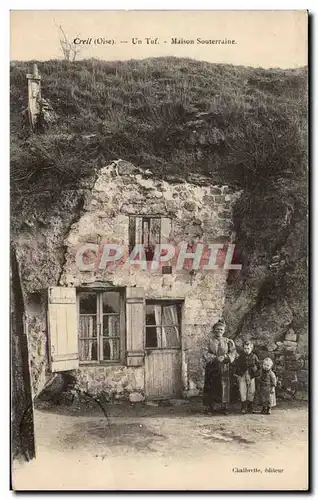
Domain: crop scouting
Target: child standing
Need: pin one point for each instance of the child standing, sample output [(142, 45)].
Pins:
[(247, 368), (268, 383)]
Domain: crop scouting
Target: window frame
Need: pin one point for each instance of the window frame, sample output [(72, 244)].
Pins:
[(144, 218), (99, 323), (164, 302)]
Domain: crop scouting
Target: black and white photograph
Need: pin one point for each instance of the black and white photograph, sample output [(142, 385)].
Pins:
[(159, 323)]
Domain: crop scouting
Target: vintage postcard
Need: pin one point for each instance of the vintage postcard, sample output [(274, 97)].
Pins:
[(159, 315)]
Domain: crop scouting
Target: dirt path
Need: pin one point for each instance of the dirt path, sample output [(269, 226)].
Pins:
[(169, 448)]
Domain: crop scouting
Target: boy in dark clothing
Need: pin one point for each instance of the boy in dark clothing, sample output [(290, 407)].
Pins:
[(247, 368)]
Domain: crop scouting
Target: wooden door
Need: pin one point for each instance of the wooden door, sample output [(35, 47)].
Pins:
[(163, 363), (163, 373)]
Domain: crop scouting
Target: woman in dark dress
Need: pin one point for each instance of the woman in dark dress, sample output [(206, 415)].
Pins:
[(219, 354)]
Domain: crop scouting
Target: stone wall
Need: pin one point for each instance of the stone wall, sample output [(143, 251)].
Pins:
[(273, 337), (117, 381), (290, 362), (199, 212), (290, 366)]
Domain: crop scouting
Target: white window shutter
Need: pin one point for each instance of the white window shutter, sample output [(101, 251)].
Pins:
[(135, 323), (62, 327)]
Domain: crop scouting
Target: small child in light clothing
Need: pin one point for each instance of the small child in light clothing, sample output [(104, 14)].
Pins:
[(268, 383), (247, 368)]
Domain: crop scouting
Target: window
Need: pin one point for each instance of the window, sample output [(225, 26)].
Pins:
[(163, 324), (148, 231), (101, 334)]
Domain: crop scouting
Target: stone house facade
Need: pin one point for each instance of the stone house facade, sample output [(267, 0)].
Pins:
[(135, 331)]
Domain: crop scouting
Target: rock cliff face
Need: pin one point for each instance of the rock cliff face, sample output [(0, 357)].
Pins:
[(267, 302), (38, 229), (22, 429)]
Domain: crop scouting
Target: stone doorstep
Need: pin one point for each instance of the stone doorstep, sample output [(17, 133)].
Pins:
[(178, 402), (152, 403), (136, 397), (167, 402), (164, 402), (191, 393)]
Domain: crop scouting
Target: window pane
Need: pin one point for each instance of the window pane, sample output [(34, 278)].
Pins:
[(145, 231), (171, 334), (171, 314), (111, 302), (138, 239), (153, 317), (155, 227), (88, 303), (111, 349), (88, 350), (151, 336), (151, 227), (111, 326), (150, 314), (88, 326), (165, 319)]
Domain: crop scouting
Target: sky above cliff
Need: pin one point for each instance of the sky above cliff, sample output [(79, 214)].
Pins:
[(261, 38)]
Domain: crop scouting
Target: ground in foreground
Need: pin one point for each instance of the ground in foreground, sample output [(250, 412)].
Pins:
[(173, 447)]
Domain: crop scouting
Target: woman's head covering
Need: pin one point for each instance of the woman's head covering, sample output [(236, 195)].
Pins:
[(221, 322)]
